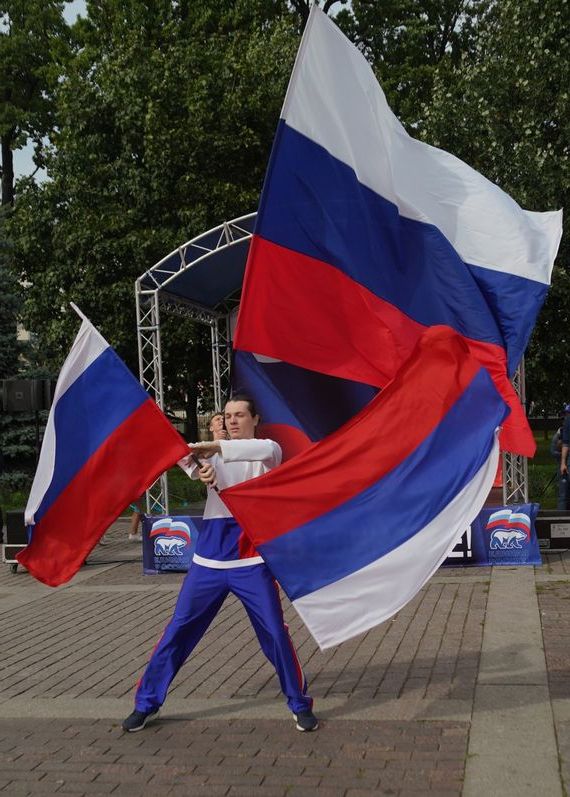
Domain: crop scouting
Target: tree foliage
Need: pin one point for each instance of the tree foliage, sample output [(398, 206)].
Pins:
[(17, 431), (33, 45), (407, 41), (10, 303), (166, 116), (506, 112), (163, 119)]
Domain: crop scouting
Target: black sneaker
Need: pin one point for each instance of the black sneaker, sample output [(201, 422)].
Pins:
[(138, 719), (306, 721)]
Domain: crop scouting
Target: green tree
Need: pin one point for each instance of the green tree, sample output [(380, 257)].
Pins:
[(17, 431), (166, 116), (10, 302), (506, 112), (33, 42), (303, 7), (407, 40)]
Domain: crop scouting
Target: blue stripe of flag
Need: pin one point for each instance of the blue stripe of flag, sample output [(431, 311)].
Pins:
[(87, 413), (392, 510)]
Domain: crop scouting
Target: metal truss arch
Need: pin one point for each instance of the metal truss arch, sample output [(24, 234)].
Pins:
[(156, 292), (515, 466)]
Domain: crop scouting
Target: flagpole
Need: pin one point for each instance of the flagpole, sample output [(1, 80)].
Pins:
[(84, 318), (79, 313)]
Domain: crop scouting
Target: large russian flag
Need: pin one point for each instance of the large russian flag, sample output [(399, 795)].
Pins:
[(105, 442), (365, 237), (354, 526)]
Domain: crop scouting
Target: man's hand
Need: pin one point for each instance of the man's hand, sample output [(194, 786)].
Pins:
[(207, 474), (206, 449)]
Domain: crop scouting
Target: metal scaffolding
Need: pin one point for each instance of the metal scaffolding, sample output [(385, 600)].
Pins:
[(515, 466), (221, 360), (154, 293)]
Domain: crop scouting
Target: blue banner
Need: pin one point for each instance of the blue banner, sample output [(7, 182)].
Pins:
[(500, 535), (169, 542)]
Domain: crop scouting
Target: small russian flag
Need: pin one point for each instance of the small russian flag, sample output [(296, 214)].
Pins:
[(105, 442)]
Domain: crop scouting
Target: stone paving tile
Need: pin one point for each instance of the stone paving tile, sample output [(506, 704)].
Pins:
[(430, 649), (482, 573), (343, 758), (85, 643), (93, 641), (555, 563), (563, 738), (14, 581), (554, 604), (130, 573)]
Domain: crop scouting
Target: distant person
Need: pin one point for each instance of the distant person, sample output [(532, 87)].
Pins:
[(217, 427), (556, 445), (563, 481), (136, 518), (226, 562)]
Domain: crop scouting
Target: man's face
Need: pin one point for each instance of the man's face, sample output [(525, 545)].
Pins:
[(240, 423), (217, 423)]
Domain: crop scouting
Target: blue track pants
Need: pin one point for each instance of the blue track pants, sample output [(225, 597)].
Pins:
[(201, 597)]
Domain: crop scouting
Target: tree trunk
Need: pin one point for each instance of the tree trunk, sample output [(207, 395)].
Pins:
[(7, 170)]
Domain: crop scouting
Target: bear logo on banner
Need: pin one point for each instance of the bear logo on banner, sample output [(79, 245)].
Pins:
[(169, 543), (502, 535), (508, 530), (170, 537)]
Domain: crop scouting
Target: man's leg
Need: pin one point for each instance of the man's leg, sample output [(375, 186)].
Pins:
[(257, 590), (201, 596)]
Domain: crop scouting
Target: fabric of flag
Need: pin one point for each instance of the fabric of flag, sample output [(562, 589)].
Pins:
[(298, 407), (353, 527), (105, 442), (365, 237)]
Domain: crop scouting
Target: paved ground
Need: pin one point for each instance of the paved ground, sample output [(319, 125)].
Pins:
[(465, 691)]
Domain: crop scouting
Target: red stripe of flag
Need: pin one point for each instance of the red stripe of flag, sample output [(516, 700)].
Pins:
[(129, 460)]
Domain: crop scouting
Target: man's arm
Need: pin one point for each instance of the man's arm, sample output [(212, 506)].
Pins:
[(252, 450)]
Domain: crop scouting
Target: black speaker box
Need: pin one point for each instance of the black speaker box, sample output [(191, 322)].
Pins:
[(15, 528), (553, 529), (27, 395)]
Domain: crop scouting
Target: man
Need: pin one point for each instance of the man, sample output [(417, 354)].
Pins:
[(217, 428), (563, 485), (225, 561)]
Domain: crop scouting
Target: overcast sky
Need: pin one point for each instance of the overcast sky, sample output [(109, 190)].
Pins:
[(23, 163)]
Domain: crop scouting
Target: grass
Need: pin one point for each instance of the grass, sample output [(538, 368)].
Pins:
[(12, 499), (543, 489), (182, 490)]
